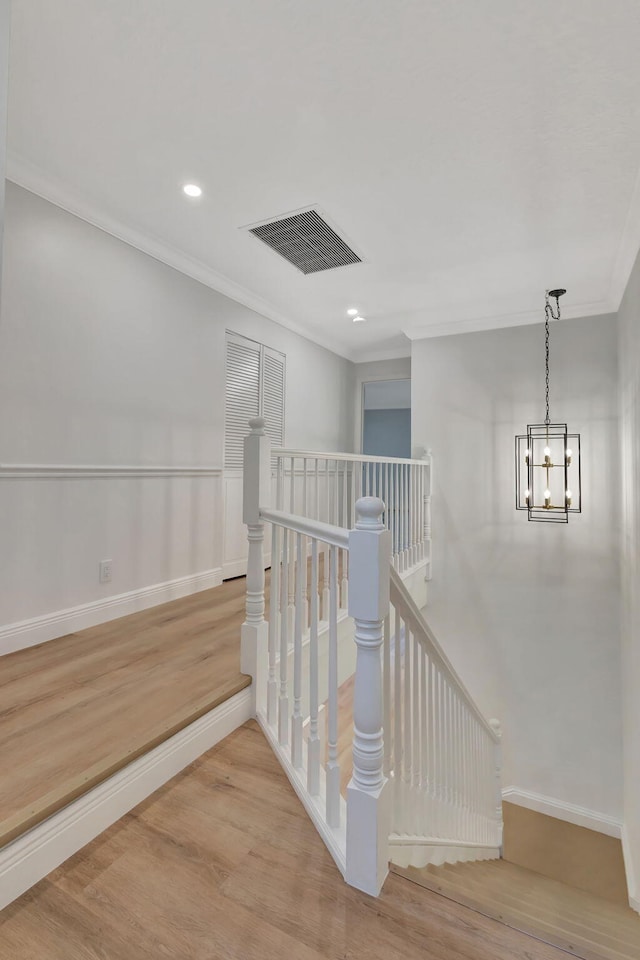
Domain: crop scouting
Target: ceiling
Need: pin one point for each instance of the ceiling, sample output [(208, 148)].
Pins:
[(472, 153)]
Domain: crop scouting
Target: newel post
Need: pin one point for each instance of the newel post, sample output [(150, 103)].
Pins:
[(256, 494), (497, 729), (368, 796)]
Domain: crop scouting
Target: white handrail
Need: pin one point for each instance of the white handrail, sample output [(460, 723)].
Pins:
[(400, 597), (327, 532), (354, 457)]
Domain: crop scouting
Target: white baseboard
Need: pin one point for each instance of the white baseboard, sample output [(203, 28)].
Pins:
[(31, 857), (561, 810), (237, 568), (632, 876), (26, 633)]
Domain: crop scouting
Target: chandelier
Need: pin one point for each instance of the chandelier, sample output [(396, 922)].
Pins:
[(548, 483)]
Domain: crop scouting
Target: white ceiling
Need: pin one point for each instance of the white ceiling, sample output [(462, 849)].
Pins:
[(473, 152)]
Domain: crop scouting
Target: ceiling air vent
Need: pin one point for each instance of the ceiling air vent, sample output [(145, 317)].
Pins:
[(306, 241)]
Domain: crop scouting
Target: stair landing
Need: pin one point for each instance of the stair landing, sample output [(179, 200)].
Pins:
[(575, 921), (74, 711)]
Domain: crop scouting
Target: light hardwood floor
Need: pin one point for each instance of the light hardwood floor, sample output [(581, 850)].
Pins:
[(223, 862), (75, 710), (584, 925)]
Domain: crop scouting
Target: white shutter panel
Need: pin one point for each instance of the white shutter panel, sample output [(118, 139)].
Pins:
[(273, 393), (242, 397)]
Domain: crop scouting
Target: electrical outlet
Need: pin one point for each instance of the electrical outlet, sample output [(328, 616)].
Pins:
[(105, 571)]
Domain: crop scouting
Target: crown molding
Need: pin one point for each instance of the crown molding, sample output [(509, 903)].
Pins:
[(397, 353), (501, 322), (26, 175), (628, 248)]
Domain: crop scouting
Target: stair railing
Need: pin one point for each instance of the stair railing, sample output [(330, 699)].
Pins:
[(429, 788), (442, 756), (326, 486), (296, 672)]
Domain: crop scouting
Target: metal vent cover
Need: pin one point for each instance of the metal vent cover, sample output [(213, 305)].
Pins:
[(306, 241)]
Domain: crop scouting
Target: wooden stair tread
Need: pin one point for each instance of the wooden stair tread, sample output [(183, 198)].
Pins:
[(542, 908), (76, 710), (534, 888), (549, 908)]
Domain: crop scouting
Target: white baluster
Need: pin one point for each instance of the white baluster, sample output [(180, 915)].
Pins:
[(256, 493), (407, 751), (291, 611), (398, 747), (368, 799), (344, 554), (415, 726), (313, 746), (280, 484), (427, 515), (424, 738), (274, 598), (296, 719), (305, 550), (386, 686), (333, 767), (283, 702), (325, 558)]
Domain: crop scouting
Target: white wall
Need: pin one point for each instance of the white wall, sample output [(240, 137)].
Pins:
[(528, 612), (109, 357), (5, 17), (629, 329), (399, 369)]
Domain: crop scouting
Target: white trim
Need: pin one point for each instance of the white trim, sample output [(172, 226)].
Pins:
[(26, 633), (629, 867), (525, 318), (408, 851), (82, 471), (562, 810), (29, 177), (393, 353), (31, 857), (335, 838), (235, 568)]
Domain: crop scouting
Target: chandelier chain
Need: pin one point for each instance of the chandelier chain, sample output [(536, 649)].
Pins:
[(548, 315)]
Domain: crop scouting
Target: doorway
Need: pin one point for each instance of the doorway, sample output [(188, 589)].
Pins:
[(386, 418)]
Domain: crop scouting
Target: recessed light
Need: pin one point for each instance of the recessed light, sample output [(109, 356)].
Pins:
[(352, 312), (359, 319), (192, 190)]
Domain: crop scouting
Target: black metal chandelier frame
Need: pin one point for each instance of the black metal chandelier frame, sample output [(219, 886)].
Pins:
[(548, 473)]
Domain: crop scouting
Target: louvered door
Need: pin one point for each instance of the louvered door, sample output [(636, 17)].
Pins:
[(255, 385)]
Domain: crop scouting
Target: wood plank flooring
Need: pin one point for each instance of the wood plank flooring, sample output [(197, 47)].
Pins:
[(75, 710), (576, 921), (223, 862)]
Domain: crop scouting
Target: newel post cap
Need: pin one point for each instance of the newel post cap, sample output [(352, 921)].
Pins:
[(256, 424), (369, 512), (496, 726)]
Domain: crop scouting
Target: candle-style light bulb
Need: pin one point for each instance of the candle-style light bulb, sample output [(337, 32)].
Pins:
[(527, 495), (547, 498), (527, 454), (567, 454), (568, 497), (547, 451), (547, 456)]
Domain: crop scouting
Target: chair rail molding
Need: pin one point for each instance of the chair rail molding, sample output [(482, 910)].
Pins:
[(73, 471)]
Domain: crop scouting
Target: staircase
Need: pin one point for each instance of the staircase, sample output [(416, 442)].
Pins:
[(424, 786)]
